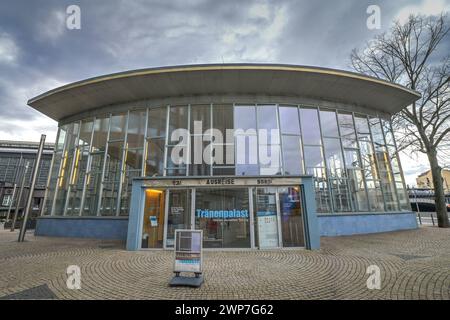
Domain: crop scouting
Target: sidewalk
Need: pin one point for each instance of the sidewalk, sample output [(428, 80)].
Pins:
[(414, 265)]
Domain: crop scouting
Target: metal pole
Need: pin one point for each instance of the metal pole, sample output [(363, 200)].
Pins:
[(30, 193), (19, 198)]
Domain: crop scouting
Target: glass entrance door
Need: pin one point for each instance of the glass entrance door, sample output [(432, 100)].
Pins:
[(153, 224), (178, 213), (266, 218), (291, 214)]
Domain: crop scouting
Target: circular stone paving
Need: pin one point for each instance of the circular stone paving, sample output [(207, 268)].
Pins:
[(413, 264)]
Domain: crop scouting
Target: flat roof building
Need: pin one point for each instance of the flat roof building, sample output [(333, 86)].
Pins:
[(255, 155), (14, 157)]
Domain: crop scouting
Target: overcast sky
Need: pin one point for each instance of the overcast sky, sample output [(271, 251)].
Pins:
[(38, 52)]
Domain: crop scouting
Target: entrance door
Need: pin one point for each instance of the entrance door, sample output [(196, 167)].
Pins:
[(266, 220), (153, 224), (291, 214), (178, 213)]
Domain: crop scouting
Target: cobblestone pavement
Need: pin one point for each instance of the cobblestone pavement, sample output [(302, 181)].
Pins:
[(414, 264)]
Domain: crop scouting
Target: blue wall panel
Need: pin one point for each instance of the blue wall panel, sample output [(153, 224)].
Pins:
[(339, 225), (83, 227)]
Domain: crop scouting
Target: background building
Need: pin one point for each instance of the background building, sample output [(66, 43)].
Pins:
[(425, 180), (14, 156), (333, 126)]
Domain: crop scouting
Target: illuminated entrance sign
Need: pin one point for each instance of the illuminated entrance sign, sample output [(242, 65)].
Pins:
[(221, 214)]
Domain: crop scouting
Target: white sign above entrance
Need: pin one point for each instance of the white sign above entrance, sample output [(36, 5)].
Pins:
[(221, 181)]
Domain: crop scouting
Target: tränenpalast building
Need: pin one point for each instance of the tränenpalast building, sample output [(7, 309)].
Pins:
[(255, 155)]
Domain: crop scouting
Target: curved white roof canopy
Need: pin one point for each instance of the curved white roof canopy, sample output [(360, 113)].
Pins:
[(230, 79)]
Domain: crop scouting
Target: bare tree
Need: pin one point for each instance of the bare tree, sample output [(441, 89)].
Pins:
[(407, 54)]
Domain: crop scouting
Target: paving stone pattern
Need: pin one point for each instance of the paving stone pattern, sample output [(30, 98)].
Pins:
[(414, 264)]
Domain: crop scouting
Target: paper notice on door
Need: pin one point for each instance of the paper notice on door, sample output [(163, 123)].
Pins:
[(267, 230), (153, 221)]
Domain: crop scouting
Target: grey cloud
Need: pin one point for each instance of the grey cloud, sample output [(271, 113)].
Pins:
[(119, 35)]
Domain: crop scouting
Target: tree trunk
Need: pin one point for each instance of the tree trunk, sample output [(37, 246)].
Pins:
[(441, 207)]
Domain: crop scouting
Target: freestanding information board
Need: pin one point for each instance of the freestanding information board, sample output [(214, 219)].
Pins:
[(188, 258)]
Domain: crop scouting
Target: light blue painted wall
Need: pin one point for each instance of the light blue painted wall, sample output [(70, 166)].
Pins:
[(340, 225), (311, 221), (135, 216), (82, 227)]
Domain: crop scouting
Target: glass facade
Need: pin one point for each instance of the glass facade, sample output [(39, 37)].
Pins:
[(353, 159)]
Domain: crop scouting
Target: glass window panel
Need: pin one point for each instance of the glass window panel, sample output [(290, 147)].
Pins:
[(267, 117), (223, 117), (358, 189), (387, 132), (329, 123), (368, 160), (289, 121), (201, 113), (244, 117), (133, 159), (180, 152), (85, 132), (154, 161), (309, 122), (101, 126), (313, 156), (322, 193), (65, 171), (361, 124), (333, 154), (157, 122), (178, 118), (377, 134), (61, 138), (224, 171), (270, 160), (181, 171), (292, 157), (57, 158), (118, 126), (376, 200), (202, 169), (352, 158), (347, 130), (136, 129), (247, 169), (109, 198), (224, 217), (126, 190), (340, 194), (93, 182)]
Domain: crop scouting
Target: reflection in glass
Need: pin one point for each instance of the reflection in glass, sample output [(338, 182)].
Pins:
[(329, 124), (289, 120), (292, 156), (310, 126), (291, 217), (224, 217)]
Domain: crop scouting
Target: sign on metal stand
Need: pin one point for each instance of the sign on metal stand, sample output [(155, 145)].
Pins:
[(188, 258)]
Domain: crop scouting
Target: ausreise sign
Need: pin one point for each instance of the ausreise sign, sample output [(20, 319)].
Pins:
[(223, 181)]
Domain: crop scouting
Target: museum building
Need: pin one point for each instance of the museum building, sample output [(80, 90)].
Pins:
[(256, 155)]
